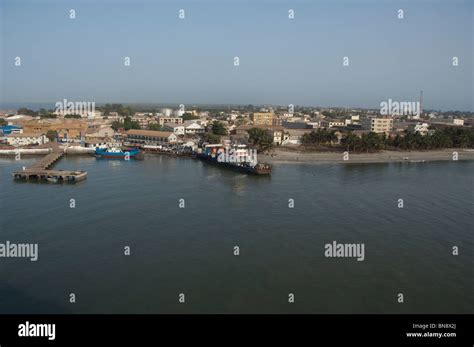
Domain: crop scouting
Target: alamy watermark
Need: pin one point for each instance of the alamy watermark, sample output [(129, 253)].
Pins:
[(82, 108), (400, 108), (19, 250), (345, 250), (237, 156)]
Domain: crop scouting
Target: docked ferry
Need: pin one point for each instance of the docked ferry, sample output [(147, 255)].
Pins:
[(235, 158), (116, 153)]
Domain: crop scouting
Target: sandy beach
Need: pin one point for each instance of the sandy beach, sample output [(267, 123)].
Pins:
[(291, 156)]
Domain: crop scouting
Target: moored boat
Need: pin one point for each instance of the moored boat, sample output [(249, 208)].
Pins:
[(116, 153), (237, 159)]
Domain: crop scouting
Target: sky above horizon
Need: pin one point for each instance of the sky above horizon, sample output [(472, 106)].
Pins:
[(282, 61)]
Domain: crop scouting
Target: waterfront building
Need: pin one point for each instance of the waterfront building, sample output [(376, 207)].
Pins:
[(192, 127), (100, 130), (97, 143), (177, 129), (151, 137), (279, 134), (295, 135), (65, 128), (18, 119), (25, 139)]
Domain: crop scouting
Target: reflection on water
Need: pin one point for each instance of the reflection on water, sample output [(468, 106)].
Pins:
[(281, 249)]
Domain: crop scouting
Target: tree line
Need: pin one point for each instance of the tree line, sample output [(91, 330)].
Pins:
[(449, 137)]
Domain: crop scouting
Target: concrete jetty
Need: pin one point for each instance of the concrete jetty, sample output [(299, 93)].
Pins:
[(41, 170)]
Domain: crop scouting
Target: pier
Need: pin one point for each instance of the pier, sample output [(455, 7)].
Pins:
[(41, 170)]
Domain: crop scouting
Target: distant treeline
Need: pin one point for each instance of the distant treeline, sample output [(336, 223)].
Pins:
[(442, 138), (126, 124), (119, 108)]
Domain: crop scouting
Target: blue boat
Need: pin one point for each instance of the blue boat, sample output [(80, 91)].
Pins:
[(116, 153)]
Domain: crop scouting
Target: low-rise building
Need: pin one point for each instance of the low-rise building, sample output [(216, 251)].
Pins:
[(278, 133), (25, 139), (177, 129), (172, 120), (295, 136), (192, 127), (422, 128), (97, 143), (65, 128), (100, 130), (336, 123), (151, 137)]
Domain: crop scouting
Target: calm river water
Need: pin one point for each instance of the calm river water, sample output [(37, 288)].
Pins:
[(191, 250)]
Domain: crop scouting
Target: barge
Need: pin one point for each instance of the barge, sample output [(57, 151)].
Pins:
[(236, 158)]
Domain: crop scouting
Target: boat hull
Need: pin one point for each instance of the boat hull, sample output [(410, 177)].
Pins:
[(100, 153), (237, 168)]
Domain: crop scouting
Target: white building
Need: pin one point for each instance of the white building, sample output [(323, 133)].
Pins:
[(337, 123), (26, 139), (422, 128), (459, 122), (294, 136), (166, 112), (355, 119), (97, 143), (177, 129), (178, 113), (191, 127)]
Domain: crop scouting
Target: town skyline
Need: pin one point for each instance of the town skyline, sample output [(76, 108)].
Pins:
[(36, 106)]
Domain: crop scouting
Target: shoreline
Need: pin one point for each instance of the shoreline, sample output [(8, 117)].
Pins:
[(282, 156)]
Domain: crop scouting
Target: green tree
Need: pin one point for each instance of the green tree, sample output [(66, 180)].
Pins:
[(260, 138), (188, 116), (52, 135), (156, 127), (319, 137), (218, 128), (212, 138), (127, 124), (26, 111), (351, 142)]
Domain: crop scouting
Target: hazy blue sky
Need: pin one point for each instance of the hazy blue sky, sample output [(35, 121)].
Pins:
[(282, 61)]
